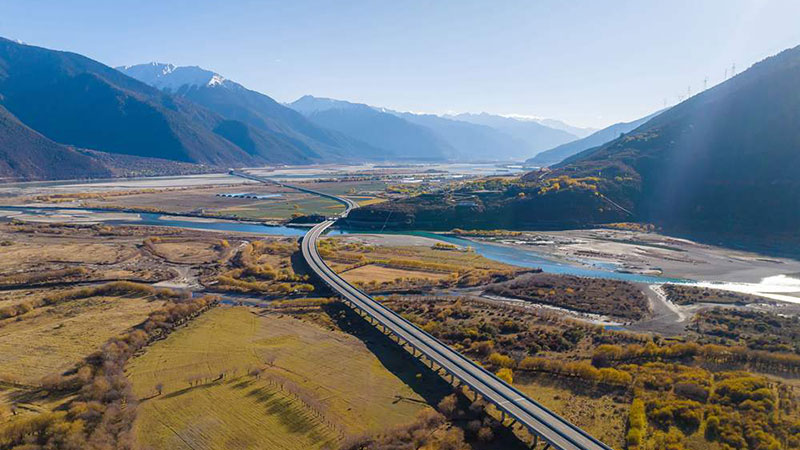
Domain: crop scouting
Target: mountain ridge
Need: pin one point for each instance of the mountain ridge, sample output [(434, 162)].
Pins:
[(724, 163), (281, 125), (398, 138), (42, 158), (557, 154), (77, 101), (537, 136)]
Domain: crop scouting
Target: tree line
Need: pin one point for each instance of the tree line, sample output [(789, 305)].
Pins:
[(102, 407)]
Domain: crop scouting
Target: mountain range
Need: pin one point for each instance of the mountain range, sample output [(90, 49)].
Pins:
[(76, 101), (397, 138), (253, 121), (725, 161), (536, 136), (470, 137), (68, 104)]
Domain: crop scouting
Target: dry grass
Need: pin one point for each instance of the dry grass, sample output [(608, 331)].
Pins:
[(207, 201), (380, 274), (366, 201), (187, 200), (186, 251), (343, 379), (378, 264), (29, 254), (284, 208), (353, 247), (18, 403), (602, 415), (15, 297), (52, 339)]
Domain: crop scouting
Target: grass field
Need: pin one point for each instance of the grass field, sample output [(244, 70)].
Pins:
[(603, 415), (382, 263), (51, 339), (188, 251), (366, 201), (348, 187), (332, 385), (47, 254), (54, 250), (206, 200), (284, 209), (17, 296), (372, 272)]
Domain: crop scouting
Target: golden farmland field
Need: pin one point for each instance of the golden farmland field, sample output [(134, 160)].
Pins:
[(371, 272), (317, 405), (51, 339)]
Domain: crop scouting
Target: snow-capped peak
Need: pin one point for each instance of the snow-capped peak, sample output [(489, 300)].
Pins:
[(172, 78), (216, 80)]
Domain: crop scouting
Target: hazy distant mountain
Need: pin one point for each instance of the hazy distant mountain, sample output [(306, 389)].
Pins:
[(448, 137), (471, 141), (560, 125), (74, 100), (398, 138), (282, 126), (558, 154), (538, 137)]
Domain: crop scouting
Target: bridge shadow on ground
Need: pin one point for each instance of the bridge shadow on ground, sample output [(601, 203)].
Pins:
[(394, 358), (300, 267), (415, 374)]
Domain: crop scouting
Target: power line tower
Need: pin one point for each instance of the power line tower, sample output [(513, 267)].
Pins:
[(726, 74), (705, 83), (733, 70)]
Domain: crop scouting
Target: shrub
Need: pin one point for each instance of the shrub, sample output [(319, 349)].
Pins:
[(506, 375), (637, 424), (498, 360)]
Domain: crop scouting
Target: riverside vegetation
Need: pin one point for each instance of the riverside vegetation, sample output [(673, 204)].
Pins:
[(697, 394), (728, 383), (387, 268)]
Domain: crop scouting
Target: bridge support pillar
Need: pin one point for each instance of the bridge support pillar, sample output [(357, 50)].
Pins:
[(466, 390)]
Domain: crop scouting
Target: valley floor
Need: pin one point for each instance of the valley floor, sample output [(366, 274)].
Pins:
[(269, 362)]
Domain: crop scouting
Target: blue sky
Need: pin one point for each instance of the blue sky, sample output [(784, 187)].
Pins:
[(590, 63)]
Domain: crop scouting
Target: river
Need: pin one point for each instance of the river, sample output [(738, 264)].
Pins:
[(505, 254), (520, 257)]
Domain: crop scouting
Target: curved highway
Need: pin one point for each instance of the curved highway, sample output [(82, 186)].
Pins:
[(553, 430)]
